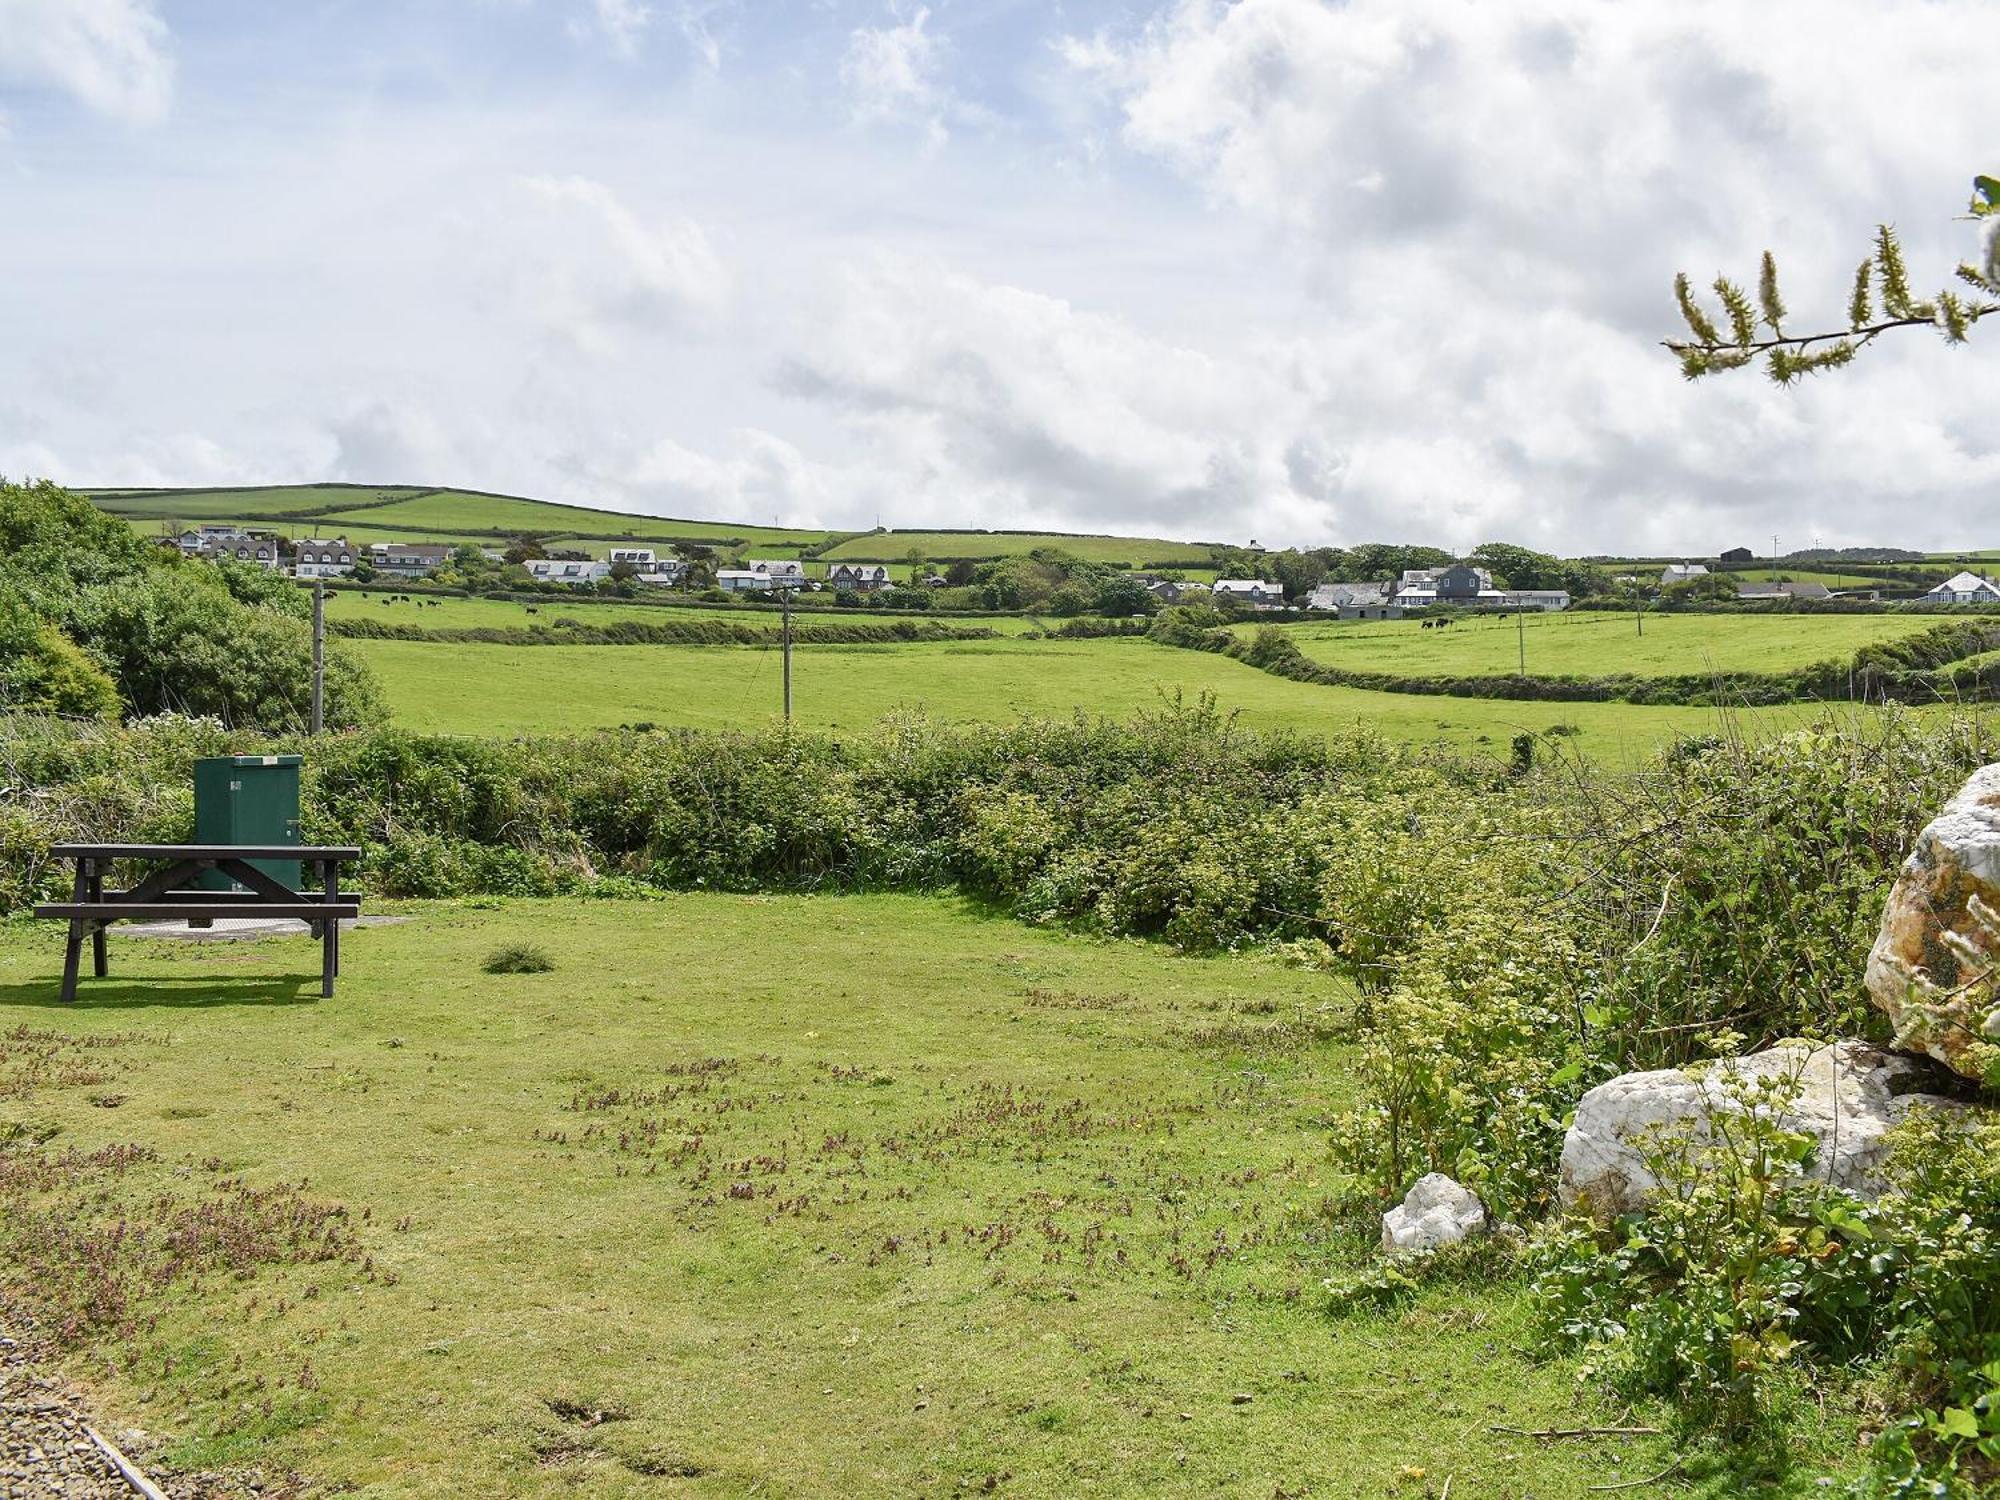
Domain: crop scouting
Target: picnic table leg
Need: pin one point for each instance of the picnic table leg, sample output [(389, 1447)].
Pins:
[(99, 964), (329, 958), (73, 947)]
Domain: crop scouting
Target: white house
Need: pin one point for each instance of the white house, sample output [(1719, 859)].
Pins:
[(318, 557), (866, 577), (408, 559), (259, 547), (661, 572), (1258, 593), (1463, 574), (783, 573), (1682, 572), (1963, 588), (1548, 600), (570, 571), (741, 580)]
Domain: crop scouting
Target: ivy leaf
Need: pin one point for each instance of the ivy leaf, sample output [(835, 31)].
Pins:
[(1989, 189), (1958, 1422)]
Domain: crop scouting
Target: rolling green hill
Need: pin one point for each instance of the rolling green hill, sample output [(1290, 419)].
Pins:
[(372, 513)]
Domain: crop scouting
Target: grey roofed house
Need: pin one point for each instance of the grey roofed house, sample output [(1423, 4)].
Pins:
[(858, 576), (1963, 588), (1757, 589), (1682, 572), (1347, 595), (409, 559)]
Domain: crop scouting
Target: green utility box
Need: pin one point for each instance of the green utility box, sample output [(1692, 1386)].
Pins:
[(247, 799)]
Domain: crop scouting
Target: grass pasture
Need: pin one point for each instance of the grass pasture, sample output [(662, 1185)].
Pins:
[(453, 612), (1593, 643), (946, 546), (483, 689), (933, 1204), (406, 513)]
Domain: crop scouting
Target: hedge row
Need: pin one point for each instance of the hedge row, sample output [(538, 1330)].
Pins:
[(1912, 670)]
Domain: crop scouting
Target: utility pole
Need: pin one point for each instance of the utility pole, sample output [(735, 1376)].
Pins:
[(1521, 634), (785, 595), (319, 656)]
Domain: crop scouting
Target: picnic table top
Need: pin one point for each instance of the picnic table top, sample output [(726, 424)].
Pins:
[(205, 851)]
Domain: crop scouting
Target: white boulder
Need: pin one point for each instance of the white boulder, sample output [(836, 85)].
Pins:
[(1436, 1212), (1847, 1096), (1940, 935)]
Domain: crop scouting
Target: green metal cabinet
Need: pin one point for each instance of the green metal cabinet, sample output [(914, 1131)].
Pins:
[(248, 799)]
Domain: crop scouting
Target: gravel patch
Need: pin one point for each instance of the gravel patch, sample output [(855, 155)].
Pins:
[(45, 1453), (43, 1448)]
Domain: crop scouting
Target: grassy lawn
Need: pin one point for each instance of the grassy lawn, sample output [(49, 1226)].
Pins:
[(433, 612), (778, 1196), (479, 689), (1594, 644)]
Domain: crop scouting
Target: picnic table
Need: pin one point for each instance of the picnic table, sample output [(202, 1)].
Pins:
[(161, 896)]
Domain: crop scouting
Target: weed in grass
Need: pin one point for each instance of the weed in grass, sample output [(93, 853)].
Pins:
[(518, 958)]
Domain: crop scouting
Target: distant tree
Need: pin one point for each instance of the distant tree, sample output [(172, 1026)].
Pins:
[(623, 569), (1880, 301), (1371, 562), (1124, 596), (961, 573), (525, 546), (1301, 572), (1703, 588), (1520, 567)]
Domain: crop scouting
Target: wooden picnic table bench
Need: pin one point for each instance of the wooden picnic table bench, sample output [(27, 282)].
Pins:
[(160, 896)]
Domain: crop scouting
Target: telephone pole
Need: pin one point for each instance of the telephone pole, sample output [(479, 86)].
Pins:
[(319, 656), (785, 596), (1521, 634)]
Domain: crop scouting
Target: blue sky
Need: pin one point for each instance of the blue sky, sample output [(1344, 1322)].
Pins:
[(1277, 269)]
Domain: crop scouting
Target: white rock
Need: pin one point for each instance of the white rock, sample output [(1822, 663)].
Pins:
[(1437, 1212), (1939, 935), (1847, 1096)]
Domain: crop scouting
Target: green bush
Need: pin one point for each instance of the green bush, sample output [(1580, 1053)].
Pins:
[(85, 602)]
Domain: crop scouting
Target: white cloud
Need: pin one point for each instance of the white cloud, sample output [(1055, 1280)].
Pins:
[(991, 401), (112, 55), (621, 24), (1488, 204), (591, 270), (392, 442), (893, 73)]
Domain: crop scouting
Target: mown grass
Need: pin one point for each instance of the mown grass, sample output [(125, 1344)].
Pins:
[(481, 689), (809, 1196), (1592, 643), (389, 605)]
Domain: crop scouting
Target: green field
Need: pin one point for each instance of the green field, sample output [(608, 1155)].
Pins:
[(1805, 575), (1596, 644), (449, 611), (404, 512), (749, 1196), (945, 546), (480, 689)]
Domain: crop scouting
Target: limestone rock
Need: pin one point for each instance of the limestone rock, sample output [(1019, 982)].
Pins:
[(1941, 933), (1437, 1212), (1847, 1096)]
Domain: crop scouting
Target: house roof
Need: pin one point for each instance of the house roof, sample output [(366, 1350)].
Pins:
[(1246, 586), (1967, 583)]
